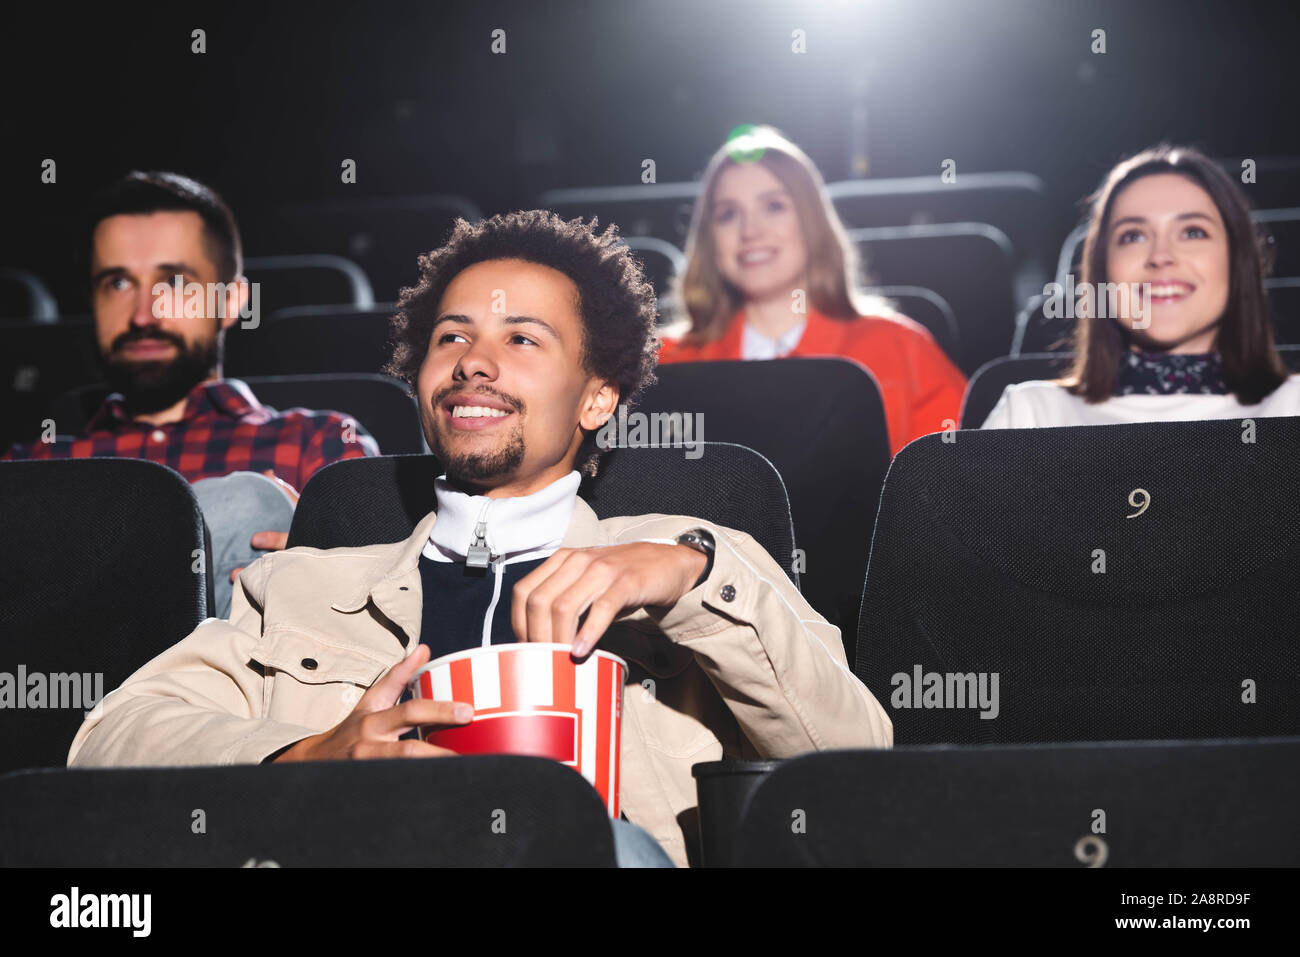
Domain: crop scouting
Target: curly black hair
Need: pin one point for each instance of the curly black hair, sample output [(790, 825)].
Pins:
[(617, 304)]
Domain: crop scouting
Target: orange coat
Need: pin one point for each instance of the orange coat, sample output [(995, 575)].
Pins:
[(919, 385)]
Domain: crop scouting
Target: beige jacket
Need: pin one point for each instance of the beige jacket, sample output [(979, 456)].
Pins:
[(761, 675)]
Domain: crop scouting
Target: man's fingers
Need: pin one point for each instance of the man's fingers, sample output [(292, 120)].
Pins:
[(416, 713), (234, 573), (271, 541), (409, 748), (600, 615), (568, 608), (534, 580), (535, 605), (386, 692), (288, 489)]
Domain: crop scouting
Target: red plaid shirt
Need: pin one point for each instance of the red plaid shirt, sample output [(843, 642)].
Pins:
[(224, 429)]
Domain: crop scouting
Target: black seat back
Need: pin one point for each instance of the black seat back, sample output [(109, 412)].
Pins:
[(822, 424), (991, 379), (971, 265), (312, 340), (104, 567), (366, 501), (384, 235), (38, 362), (481, 811), (1095, 583), (929, 309), (1186, 804)]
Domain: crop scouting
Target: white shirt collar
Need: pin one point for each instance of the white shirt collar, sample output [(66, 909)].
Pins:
[(755, 345), (525, 527)]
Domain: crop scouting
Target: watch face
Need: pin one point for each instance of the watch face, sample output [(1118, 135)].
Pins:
[(696, 541)]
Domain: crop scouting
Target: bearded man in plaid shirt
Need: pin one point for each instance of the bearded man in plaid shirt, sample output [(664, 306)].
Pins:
[(169, 402)]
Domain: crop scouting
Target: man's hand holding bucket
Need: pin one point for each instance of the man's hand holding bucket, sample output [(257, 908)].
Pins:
[(376, 724)]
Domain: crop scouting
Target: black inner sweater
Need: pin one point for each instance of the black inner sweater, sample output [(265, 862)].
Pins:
[(456, 599)]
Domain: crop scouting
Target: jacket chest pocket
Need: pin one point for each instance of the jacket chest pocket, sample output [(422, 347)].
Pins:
[(311, 682)]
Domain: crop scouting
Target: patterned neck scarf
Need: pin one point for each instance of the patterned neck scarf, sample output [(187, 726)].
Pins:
[(1159, 373)]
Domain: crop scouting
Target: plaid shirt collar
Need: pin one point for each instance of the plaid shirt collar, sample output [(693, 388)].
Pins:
[(226, 397)]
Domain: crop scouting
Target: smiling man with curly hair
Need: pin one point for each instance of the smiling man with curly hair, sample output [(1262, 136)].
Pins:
[(522, 337), (615, 342)]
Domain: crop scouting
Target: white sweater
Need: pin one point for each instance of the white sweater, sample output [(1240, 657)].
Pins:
[(1029, 405)]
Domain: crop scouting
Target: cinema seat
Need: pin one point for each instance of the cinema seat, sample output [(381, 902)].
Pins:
[(822, 424), (365, 501), (383, 235), (104, 567), (1223, 803), (1122, 582), (990, 380), (971, 265), (25, 296), (285, 281), (1042, 328), (929, 309), (38, 362), (311, 340), (1282, 229), (1284, 308), (1014, 203), (378, 402), (660, 210), (482, 811), (662, 262)]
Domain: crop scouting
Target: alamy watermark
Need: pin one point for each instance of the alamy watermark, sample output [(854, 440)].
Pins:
[(130, 911), (195, 300), (932, 689), (37, 690), (642, 430), (1105, 300)]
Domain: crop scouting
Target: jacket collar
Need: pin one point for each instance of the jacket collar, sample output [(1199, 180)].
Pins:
[(822, 336), (384, 585)]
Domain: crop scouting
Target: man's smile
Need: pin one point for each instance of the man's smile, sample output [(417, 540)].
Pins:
[(472, 413)]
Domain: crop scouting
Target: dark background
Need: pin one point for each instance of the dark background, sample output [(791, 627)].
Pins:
[(587, 90)]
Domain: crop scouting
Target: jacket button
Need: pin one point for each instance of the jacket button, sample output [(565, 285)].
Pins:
[(309, 663), (728, 593), (403, 588)]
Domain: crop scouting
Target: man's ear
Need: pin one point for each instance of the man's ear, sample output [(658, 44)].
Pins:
[(600, 404), (236, 297)]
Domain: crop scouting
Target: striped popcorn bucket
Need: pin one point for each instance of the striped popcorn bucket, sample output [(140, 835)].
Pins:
[(533, 699)]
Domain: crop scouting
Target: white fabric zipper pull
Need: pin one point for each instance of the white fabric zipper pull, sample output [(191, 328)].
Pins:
[(499, 567)]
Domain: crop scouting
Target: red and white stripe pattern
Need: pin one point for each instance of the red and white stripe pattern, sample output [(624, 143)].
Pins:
[(533, 699)]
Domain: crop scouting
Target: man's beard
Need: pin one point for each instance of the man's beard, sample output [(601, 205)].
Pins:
[(157, 384), (480, 468)]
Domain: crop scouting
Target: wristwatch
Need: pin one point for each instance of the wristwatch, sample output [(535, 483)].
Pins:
[(700, 539)]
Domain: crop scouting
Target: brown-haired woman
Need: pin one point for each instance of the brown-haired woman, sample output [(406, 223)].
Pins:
[(1200, 346), (771, 273)]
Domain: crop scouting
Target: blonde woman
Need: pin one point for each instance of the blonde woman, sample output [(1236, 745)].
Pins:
[(771, 273)]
